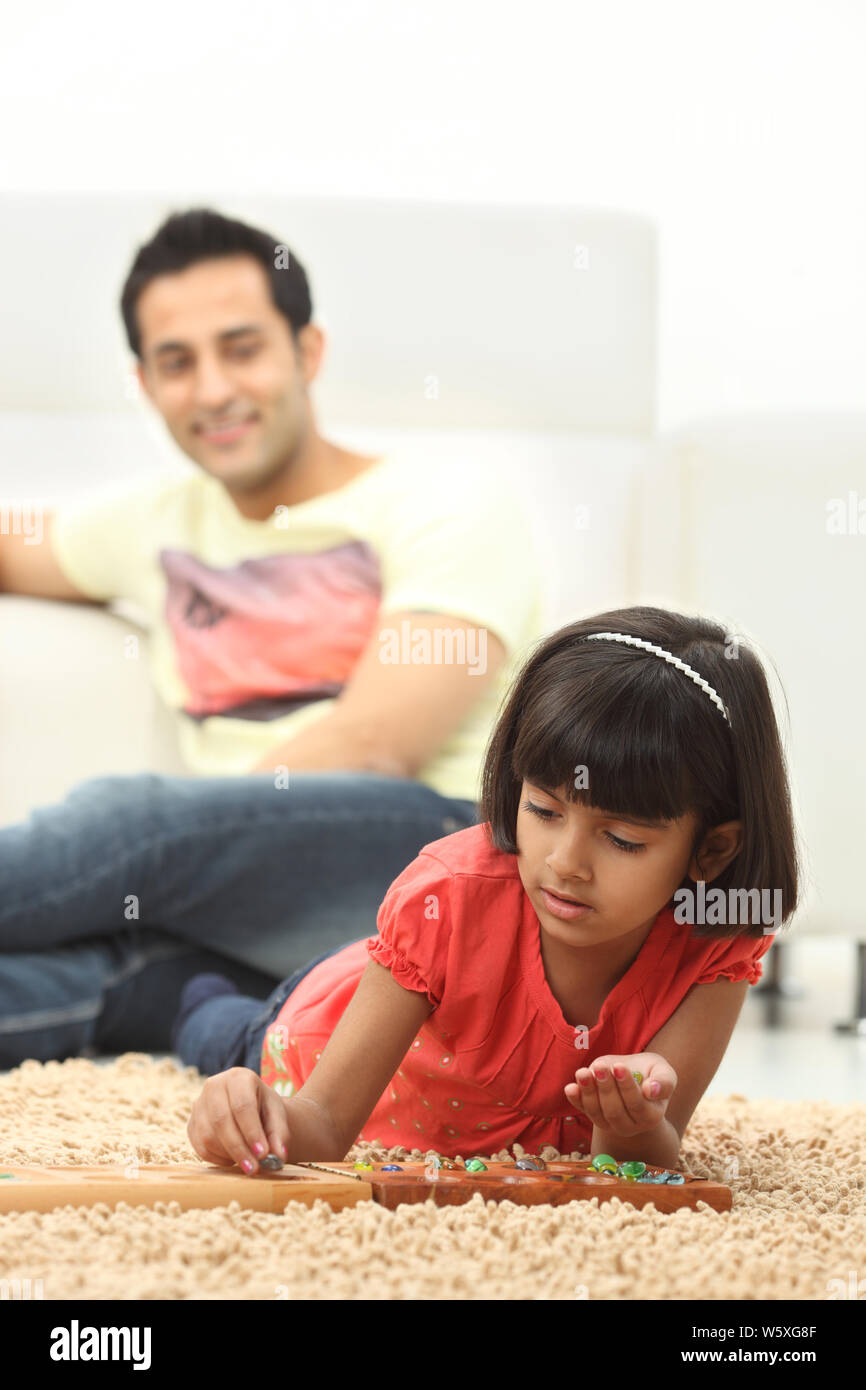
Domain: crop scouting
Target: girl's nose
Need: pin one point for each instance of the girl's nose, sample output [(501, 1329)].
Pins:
[(571, 858), (565, 867)]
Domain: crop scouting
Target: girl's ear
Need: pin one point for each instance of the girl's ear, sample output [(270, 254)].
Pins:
[(718, 847)]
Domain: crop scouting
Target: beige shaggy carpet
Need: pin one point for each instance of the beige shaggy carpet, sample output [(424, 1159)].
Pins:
[(798, 1174)]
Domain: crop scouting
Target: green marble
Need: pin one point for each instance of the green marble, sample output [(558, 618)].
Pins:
[(632, 1169), (603, 1163)]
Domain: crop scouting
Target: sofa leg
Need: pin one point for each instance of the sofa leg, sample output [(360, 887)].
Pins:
[(773, 989), (857, 1023)]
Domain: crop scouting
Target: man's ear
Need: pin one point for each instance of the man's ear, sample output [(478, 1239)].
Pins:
[(142, 380), (718, 847), (310, 344)]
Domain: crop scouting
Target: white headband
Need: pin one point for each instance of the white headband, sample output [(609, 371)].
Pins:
[(668, 656)]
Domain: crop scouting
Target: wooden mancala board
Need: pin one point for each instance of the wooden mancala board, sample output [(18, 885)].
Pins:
[(341, 1185), (43, 1189), (557, 1184)]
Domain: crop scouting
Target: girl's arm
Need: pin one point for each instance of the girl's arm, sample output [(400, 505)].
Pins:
[(693, 1043), (375, 1032)]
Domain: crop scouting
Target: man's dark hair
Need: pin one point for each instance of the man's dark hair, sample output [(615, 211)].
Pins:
[(203, 235)]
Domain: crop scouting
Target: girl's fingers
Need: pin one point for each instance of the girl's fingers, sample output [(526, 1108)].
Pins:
[(574, 1096), (587, 1098), (276, 1123), (199, 1137), (212, 1156), (226, 1123), (603, 1100), (636, 1104), (225, 1135), (237, 1119), (665, 1091), (611, 1098), (245, 1094), (203, 1141), (656, 1071), (617, 1102)]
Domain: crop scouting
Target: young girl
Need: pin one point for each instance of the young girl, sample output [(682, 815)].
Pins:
[(526, 967)]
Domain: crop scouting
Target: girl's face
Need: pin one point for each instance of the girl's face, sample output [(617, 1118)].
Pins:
[(624, 870)]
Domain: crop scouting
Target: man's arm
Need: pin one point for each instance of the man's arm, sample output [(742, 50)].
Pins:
[(28, 568), (393, 715)]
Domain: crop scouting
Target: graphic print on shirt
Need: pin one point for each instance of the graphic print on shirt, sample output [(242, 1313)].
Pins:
[(265, 637)]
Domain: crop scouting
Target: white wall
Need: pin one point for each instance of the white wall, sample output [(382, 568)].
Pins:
[(740, 128)]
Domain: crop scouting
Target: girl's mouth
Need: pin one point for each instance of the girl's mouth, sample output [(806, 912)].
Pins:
[(567, 911)]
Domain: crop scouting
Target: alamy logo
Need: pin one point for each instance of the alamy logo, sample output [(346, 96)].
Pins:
[(738, 907), (76, 1343), (19, 1290), (22, 519), (444, 646)]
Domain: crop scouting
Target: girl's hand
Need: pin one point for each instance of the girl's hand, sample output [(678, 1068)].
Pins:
[(619, 1104), (235, 1113)]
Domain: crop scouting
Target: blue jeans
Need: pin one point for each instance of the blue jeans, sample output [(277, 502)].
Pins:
[(112, 899), (229, 1030)]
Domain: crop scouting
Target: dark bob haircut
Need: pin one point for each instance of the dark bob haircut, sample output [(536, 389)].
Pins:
[(186, 238), (655, 745)]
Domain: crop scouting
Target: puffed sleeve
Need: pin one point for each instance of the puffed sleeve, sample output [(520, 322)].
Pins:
[(735, 958), (415, 924)]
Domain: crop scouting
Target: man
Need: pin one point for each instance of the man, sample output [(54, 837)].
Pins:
[(334, 631)]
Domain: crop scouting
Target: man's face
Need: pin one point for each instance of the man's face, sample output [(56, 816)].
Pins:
[(221, 366), (577, 851)]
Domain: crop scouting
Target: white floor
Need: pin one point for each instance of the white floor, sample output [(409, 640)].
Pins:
[(802, 1056)]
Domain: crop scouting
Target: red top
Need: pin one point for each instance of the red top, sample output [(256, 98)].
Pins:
[(489, 1065)]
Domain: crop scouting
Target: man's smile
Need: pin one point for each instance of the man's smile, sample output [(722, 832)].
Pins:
[(227, 432)]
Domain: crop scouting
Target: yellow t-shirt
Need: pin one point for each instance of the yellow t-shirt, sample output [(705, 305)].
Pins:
[(256, 626)]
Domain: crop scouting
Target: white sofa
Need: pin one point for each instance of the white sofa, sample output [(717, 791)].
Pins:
[(734, 523)]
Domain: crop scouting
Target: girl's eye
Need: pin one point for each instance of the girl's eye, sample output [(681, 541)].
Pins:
[(627, 846)]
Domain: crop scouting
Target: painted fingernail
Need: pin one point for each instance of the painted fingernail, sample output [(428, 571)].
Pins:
[(602, 1074), (619, 1073), (258, 1150), (655, 1088), (247, 1165)]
